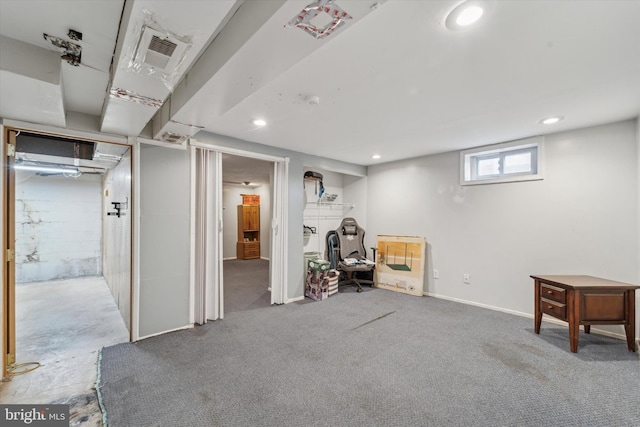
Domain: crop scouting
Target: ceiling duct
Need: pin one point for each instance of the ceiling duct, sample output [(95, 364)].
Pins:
[(173, 138), (160, 51), (54, 146)]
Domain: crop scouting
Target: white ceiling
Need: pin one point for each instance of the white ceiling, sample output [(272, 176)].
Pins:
[(393, 80)]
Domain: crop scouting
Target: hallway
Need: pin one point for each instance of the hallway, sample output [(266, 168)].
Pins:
[(62, 325)]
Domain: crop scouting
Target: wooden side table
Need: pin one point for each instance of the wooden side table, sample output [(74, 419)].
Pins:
[(585, 300)]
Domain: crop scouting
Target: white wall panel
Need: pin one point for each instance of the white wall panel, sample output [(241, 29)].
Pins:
[(164, 239)]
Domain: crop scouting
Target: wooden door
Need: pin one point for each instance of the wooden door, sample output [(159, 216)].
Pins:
[(254, 218)]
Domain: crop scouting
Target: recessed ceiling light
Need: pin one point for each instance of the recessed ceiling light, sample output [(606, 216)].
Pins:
[(375, 156), (551, 120), (469, 15), (259, 122), (463, 15)]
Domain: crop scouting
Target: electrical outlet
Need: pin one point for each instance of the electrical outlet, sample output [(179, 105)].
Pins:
[(466, 278), (436, 274)]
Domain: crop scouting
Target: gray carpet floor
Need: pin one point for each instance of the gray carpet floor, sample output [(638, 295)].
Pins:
[(375, 358), (246, 284)]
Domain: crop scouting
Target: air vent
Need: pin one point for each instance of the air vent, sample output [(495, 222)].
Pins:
[(160, 51)]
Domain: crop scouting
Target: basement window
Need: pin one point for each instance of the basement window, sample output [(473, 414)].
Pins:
[(508, 162)]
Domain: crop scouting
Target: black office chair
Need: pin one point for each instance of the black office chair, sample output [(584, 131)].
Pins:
[(346, 253)]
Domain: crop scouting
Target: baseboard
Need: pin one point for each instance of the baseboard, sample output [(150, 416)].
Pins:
[(546, 319), (230, 258), (477, 304), (265, 258), (294, 299), (190, 326)]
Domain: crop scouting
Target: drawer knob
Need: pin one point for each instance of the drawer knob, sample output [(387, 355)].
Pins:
[(550, 307)]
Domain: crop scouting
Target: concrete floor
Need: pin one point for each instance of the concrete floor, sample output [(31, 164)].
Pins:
[(62, 325)]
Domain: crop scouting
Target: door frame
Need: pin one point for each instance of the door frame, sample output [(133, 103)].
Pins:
[(7, 310), (213, 293)]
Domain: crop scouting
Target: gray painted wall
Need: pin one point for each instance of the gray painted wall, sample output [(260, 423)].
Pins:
[(581, 219), (164, 239)]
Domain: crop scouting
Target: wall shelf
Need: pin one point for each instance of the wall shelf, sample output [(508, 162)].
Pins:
[(327, 210), (330, 205)]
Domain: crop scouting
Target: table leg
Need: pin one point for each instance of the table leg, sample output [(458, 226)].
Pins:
[(537, 314), (587, 329), (630, 316), (574, 319)]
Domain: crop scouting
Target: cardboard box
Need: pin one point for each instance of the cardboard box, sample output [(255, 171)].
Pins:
[(400, 263), (318, 279)]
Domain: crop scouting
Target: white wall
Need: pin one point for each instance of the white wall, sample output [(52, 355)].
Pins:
[(164, 239), (58, 226), (231, 198), (116, 254), (581, 219), (323, 216)]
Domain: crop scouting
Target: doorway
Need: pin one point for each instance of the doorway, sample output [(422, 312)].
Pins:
[(65, 295), (246, 200), (212, 225)]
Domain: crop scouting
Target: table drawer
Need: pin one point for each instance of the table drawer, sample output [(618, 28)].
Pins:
[(251, 246), (553, 293), (554, 308)]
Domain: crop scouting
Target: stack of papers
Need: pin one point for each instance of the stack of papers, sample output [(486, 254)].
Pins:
[(355, 261)]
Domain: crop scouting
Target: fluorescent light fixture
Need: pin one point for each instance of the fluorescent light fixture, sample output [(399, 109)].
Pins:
[(464, 15), (259, 122), (107, 157), (551, 120), (46, 169), (375, 156)]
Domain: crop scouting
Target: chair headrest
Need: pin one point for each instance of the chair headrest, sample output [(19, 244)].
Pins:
[(350, 230)]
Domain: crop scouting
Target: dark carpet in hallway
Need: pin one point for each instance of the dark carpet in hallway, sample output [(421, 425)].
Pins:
[(246, 284)]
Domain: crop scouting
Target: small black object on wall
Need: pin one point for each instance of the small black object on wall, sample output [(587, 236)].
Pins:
[(120, 208)]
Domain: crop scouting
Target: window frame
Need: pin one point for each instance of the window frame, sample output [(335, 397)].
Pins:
[(469, 160)]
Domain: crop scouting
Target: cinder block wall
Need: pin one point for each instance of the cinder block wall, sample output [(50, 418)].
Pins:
[(58, 226)]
